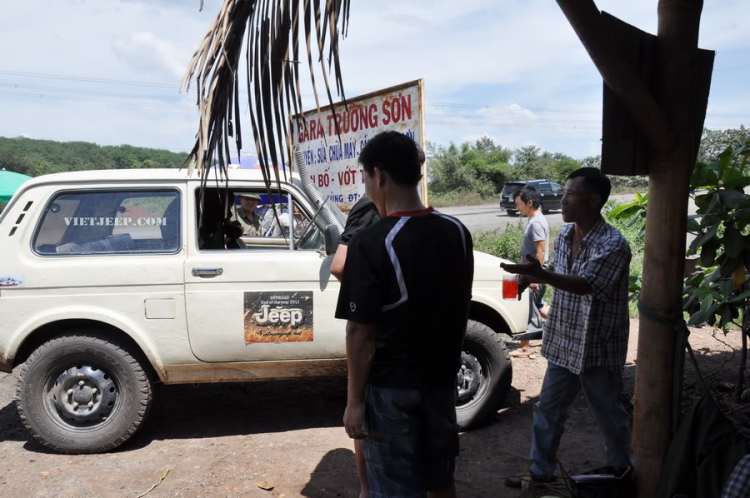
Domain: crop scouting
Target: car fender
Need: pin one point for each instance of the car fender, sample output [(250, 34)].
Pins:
[(93, 313), (514, 313)]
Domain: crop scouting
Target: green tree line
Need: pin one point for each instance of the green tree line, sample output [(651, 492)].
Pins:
[(476, 171), (40, 157)]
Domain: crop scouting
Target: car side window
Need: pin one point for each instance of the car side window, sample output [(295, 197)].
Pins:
[(557, 189), (110, 222), (255, 220), (545, 187)]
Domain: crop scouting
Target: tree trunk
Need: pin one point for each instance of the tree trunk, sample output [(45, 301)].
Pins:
[(669, 177)]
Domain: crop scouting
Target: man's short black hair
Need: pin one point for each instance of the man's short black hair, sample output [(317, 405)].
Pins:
[(396, 154), (529, 193), (595, 181)]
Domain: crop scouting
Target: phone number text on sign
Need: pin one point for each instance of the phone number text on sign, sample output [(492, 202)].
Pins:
[(332, 162)]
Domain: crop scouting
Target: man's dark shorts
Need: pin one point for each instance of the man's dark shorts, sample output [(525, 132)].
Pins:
[(413, 440)]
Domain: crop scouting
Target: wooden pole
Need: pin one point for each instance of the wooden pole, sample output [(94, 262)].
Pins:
[(664, 262), (668, 118)]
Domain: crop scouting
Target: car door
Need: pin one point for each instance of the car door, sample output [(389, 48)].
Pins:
[(263, 301), (557, 195), (545, 192), (112, 251)]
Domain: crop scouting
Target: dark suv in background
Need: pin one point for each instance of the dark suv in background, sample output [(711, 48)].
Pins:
[(550, 192)]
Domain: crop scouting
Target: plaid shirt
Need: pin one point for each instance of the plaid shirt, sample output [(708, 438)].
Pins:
[(738, 485), (592, 330)]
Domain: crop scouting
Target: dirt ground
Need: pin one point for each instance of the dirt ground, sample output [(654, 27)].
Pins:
[(228, 439)]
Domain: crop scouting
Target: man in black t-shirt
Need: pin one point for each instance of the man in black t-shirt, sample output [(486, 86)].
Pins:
[(405, 294), (363, 214)]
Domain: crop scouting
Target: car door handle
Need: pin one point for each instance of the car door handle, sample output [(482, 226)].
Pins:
[(207, 271)]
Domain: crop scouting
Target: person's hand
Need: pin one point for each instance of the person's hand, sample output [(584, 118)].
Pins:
[(523, 283), (532, 268), (354, 417)]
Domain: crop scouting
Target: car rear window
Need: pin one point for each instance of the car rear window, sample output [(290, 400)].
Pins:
[(110, 222), (510, 188)]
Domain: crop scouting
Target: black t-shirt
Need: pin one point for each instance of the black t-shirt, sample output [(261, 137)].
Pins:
[(363, 214), (411, 274)]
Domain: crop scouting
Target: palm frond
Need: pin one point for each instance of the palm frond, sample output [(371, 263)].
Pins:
[(269, 32)]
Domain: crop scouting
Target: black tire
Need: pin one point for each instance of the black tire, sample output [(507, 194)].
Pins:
[(93, 417), (511, 212), (485, 377)]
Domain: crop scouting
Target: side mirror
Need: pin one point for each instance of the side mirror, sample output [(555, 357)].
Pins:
[(332, 239)]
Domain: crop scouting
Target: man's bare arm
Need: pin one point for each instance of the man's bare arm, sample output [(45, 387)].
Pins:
[(339, 260), (541, 249), (533, 272), (360, 350)]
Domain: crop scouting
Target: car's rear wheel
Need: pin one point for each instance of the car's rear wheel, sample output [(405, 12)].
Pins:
[(83, 393), (485, 376)]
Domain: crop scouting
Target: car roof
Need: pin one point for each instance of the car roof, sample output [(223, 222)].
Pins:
[(146, 174)]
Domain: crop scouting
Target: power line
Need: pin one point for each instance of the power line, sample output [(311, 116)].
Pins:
[(86, 78), (434, 104), (42, 96)]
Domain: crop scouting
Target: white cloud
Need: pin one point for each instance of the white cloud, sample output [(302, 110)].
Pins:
[(514, 69), (145, 52)]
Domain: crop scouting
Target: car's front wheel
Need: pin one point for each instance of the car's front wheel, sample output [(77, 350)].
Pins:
[(485, 376), (83, 393), (511, 212)]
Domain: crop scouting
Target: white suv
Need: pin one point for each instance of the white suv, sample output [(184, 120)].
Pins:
[(113, 280)]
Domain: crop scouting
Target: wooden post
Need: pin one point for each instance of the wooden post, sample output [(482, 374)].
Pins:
[(664, 263), (667, 117)]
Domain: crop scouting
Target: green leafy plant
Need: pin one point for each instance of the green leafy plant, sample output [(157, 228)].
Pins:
[(718, 291)]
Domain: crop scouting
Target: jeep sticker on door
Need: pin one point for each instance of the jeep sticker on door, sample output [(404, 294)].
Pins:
[(279, 316)]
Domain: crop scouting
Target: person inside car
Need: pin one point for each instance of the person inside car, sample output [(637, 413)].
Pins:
[(246, 215)]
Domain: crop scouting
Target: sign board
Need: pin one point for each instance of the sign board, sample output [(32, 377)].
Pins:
[(332, 162), (625, 150)]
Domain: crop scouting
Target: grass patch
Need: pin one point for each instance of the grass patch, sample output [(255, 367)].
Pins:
[(460, 198)]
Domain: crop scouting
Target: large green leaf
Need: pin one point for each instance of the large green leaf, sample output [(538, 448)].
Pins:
[(625, 211), (740, 298), (702, 201), (707, 302), (708, 252), (733, 241), (710, 220), (733, 178), (726, 286), (742, 216), (732, 199), (703, 315), (703, 176), (696, 280), (726, 315), (706, 236), (725, 159), (729, 265)]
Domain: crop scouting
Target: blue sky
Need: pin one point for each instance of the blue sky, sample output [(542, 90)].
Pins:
[(108, 71)]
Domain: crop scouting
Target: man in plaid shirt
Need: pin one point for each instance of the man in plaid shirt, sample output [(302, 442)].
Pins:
[(586, 335)]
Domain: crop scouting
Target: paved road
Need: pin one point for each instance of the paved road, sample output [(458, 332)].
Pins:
[(490, 216)]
